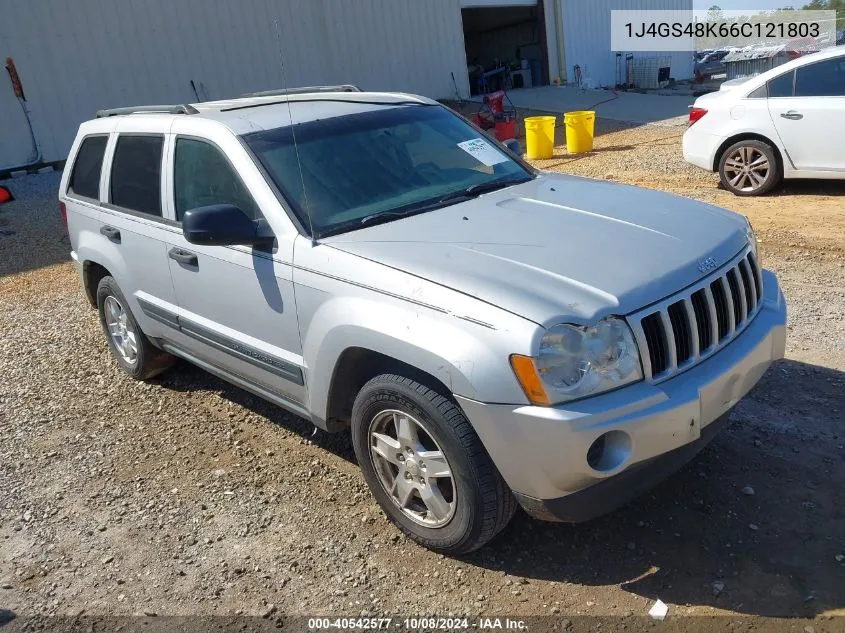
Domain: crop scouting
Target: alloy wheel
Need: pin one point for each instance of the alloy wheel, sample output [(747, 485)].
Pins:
[(120, 330), (747, 168), (412, 468)]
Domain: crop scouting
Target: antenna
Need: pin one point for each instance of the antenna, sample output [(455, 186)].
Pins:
[(293, 133)]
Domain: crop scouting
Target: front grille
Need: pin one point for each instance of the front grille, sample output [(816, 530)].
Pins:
[(683, 329)]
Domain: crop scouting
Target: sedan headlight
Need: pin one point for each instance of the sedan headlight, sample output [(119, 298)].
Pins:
[(576, 361)]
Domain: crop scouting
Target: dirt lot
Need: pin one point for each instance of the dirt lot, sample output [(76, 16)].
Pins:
[(187, 496)]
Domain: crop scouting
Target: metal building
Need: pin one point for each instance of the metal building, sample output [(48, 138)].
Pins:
[(74, 58)]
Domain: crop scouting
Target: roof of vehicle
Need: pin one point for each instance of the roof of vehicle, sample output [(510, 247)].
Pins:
[(827, 53), (253, 113)]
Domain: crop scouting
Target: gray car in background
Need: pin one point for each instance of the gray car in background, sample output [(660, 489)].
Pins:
[(491, 335)]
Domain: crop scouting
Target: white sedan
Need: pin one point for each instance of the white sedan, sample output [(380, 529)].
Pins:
[(788, 122)]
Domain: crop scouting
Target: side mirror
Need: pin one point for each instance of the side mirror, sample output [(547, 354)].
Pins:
[(223, 225), (513, 145)]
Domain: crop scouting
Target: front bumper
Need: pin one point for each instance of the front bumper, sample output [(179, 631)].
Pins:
[(542, 451)]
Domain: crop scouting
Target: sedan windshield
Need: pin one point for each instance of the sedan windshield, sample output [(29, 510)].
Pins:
[(362, 169)]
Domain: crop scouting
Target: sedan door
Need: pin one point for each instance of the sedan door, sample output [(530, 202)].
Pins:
[(236, 303), (807, 107)]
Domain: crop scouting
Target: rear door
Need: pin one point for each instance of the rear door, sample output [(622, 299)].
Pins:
[(807, 107), (236, 303), (133, 230)]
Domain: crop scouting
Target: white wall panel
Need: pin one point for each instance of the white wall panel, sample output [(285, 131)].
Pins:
[(586, 37), (77, 57)]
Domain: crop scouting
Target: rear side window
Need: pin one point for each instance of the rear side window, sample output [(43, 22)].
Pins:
[(822, 79), (202, 176), (781, 86), (136, 173), (85, 177)]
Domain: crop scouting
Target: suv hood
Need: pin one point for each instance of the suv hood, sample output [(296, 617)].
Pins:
[(559, 246)]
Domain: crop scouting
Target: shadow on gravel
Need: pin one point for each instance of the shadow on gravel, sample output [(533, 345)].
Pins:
[(697, 538), (189, 378), (800, 187), (31, 233), (6, 616)]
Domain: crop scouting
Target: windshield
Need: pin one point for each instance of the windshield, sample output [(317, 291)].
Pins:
[(379, 165)]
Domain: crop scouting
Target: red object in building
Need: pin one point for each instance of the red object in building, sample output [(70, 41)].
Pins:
[(505, 130), (495, 101)]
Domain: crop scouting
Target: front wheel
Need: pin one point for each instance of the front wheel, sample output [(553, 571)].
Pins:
[(750, 168), (426, 466)]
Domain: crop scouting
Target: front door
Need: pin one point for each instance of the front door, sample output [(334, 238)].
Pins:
[(236, 303), (811, 121)]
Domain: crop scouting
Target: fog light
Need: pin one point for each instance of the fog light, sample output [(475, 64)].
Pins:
[(609, 451)]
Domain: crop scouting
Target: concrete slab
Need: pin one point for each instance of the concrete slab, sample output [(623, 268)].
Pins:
[(620, 106)]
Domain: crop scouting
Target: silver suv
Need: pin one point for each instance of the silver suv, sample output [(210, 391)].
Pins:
[(492, 335)]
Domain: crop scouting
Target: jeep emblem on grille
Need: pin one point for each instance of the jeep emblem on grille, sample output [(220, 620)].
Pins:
[(708, 263)]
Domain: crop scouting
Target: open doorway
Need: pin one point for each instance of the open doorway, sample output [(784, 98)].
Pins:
[(505, 47)]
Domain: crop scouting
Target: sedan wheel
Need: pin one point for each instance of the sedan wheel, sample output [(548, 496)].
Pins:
[(749, 168)]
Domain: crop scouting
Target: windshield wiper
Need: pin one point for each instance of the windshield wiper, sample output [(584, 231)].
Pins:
[(472, 191), (486, 187)]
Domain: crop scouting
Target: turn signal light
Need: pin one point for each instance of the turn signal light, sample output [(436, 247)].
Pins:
[(529, 379)]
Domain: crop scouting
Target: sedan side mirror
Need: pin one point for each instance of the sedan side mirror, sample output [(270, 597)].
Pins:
[(223, 225)]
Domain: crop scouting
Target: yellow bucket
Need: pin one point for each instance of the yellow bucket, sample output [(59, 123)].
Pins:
[(580, 129), (540, 136)]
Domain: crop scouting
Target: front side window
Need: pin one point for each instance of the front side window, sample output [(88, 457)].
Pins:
[(85, 177), (202, 176), (822, 79), (781, 86), (136, 173), (380, 164)]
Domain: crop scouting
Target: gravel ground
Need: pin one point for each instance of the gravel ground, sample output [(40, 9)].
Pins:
[(185, 496)]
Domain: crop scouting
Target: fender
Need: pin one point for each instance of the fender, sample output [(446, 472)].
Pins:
[(470, 359)]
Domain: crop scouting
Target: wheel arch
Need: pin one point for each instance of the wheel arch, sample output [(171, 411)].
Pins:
[(747, 136), (92, 274), (358, 365)]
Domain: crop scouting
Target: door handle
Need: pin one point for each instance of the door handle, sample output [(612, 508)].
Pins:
[(792, 115), (110, 232), (183, 257)]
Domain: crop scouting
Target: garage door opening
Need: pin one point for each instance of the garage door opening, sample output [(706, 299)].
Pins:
[(505, 47)]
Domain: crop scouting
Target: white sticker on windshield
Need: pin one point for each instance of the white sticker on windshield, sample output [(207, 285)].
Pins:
[(483, 152)]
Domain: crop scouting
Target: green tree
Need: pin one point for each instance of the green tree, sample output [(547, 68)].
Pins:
[(830, 5), (714, 13)]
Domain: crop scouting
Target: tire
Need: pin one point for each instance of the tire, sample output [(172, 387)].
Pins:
[(747, 181), (481, 504), (147, 361)]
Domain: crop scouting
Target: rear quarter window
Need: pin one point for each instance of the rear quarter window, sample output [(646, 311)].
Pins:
[(85, 177), (782, 86), (136, 173)]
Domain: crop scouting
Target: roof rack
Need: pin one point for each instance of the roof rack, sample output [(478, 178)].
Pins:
[(165, 109), (302, 91)]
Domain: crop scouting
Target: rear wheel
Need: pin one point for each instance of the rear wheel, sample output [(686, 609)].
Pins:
[(426, 466), (130, 347), (750, 168)]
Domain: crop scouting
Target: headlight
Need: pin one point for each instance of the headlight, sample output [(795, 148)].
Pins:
[(752, 241), (575, 361)]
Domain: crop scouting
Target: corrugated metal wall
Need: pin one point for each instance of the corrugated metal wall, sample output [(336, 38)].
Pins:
[(76, 57), (586, 37)]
